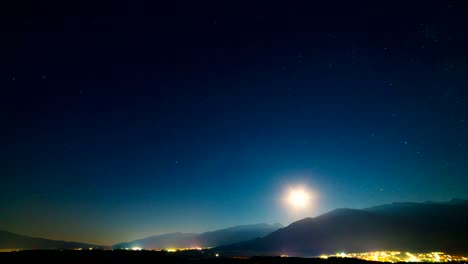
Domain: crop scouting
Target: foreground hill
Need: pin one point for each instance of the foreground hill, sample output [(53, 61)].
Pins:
[(10, 240), (207, 239), (416, 227), (146, 257)]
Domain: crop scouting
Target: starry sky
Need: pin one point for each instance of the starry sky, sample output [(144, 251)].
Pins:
[(121, 121)]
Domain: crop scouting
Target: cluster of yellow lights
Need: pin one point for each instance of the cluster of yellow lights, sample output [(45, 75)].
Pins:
[(8, 249), (167, 249), (183, 249), (397, 256)]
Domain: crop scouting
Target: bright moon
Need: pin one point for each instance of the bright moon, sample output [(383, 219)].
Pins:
[(298, 198)]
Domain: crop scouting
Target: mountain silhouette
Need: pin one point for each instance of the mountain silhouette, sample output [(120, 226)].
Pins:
[(420, 227), (10, 240), (207, 239), (171, 240)]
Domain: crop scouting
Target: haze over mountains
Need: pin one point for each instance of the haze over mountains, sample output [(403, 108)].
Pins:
[(10, 240), (207, 239), (225, 236), (420, 227)]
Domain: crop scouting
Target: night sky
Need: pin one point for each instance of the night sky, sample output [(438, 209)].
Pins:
[(122, 121)]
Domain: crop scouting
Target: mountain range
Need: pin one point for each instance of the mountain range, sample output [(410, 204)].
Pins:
[(230, 235), (207, 239), (10, 240), (420, 227)]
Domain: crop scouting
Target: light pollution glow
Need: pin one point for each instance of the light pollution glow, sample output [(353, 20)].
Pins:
[(397, 256)]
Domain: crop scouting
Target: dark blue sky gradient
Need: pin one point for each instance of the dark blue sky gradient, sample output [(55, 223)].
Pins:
[(120, 122)]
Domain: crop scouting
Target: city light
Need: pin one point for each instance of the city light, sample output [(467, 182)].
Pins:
[(166, 249), (397, 256), (184, 249)]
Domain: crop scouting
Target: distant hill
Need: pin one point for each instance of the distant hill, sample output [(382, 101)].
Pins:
[(171, 240), (420, 227), (10, 240), (207, 239)]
